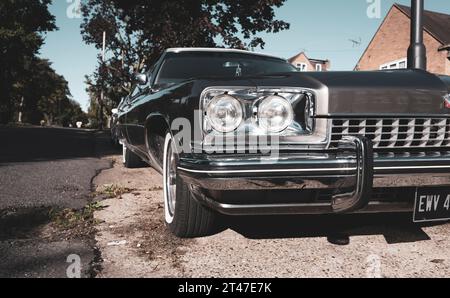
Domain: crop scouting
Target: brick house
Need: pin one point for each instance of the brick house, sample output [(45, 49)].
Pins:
[(388, 48), (303, 63)]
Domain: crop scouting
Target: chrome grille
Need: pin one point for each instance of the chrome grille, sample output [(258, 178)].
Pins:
[(395, 132)]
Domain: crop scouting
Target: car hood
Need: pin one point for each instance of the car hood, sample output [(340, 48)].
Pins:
[(446, 80), (395, 92)]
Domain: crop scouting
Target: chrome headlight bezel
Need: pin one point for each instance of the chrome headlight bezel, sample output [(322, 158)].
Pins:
[(310, 110), (295, 136)]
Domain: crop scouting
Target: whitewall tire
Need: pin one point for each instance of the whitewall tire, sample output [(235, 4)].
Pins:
[(169, 211), (184, 215)]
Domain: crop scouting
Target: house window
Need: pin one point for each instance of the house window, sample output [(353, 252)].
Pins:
[(398, 64), (302, 67), (318, 67)]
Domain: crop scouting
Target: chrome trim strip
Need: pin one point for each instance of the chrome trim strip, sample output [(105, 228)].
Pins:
[(308, 170), (314, 208), (268, 171), (412, 167), (220, 50)]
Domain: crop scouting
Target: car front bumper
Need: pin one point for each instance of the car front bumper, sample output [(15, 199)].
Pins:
[(350, 175)]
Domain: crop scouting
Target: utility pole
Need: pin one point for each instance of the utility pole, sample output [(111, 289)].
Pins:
[(101, 101), (20, 110)]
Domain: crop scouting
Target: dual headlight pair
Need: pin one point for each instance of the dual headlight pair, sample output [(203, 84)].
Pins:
[(274, 113)]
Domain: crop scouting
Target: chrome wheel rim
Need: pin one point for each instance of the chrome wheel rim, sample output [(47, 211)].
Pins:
[(124, 152), (171, 178)]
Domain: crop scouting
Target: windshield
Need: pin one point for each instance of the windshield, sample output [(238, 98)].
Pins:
[(184, 66)]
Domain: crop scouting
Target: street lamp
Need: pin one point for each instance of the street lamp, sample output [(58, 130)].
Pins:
[(417, 52)]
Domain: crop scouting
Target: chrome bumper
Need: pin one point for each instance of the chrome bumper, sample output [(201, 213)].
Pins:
[(351, 173)]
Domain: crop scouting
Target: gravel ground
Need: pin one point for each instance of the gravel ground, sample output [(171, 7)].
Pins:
[(134, 241)]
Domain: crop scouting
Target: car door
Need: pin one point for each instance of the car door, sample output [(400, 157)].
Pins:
[(134, 127), (121, 128), (139, 110)]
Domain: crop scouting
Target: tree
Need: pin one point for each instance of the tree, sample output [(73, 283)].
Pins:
[(138, 31), (110, 82), (46, 96), (71, 113), (23, 24)]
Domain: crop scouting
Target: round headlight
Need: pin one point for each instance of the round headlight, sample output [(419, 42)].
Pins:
[(224, 113), (275, 114)]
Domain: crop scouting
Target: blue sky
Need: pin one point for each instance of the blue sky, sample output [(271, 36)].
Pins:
[(322, 28)]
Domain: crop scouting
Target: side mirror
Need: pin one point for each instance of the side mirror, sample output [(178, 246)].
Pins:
[(141, 79), (115, 111)]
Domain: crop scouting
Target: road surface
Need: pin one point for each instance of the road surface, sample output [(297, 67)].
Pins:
[(43, 170)]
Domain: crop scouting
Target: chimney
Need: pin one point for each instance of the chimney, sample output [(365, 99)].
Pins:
[(417, 53)]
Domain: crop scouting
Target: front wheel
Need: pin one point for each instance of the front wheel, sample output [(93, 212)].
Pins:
[(185, 217), (130, 160)]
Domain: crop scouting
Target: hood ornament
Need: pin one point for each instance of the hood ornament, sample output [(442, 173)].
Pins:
[(447, 101), (238, 71)]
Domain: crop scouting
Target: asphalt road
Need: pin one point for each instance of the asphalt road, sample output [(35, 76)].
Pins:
[(41, 170), (53, 183), (21, 144), (47, 167)]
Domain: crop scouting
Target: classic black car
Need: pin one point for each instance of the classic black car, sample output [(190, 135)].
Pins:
[(240, 133)]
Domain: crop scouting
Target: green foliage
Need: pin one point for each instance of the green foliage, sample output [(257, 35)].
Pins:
[(70, 113), (27, 83), (22, 26)]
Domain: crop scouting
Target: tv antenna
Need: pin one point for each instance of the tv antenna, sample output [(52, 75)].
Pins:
[(356, 42)]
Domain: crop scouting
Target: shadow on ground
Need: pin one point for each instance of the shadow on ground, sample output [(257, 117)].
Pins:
[(396, 228), (21, 144), (21, 223)]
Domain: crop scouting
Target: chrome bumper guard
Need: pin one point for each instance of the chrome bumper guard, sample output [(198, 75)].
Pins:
[(361, 194)]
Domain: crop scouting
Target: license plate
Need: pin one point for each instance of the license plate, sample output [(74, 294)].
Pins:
[(432, 204)]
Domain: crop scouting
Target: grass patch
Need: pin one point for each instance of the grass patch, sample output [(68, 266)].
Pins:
[(78, 222), (156, 188), (111, 191)]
